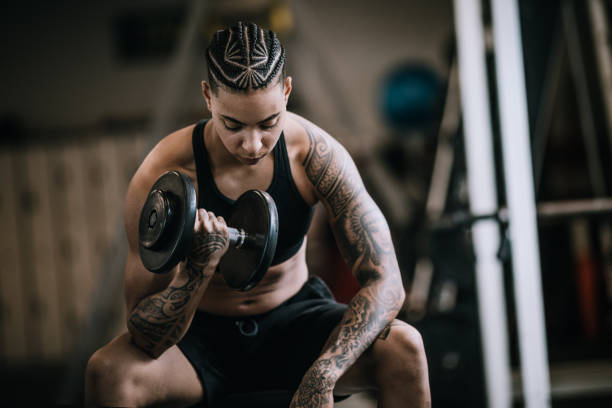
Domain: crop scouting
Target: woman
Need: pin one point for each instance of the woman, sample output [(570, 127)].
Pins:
[(190, 337)]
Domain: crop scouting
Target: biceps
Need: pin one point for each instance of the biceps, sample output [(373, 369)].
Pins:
[(363, 238)]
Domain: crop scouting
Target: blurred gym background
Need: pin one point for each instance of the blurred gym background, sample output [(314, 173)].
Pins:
[(89, 87)]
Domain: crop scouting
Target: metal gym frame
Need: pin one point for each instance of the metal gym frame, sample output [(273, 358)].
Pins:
[(521, 201)]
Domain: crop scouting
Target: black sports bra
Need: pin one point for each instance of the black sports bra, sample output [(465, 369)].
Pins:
[(294, 214)]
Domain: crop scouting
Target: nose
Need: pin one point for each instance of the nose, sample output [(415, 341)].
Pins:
[(251, 143)]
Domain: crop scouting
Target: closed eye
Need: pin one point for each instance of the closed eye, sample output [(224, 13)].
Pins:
[(232, 128), (268, 127)]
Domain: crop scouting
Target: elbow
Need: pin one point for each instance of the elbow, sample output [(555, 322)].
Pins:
[(402, 297), (390, 286), (395, 290), (146, 346), (145, 343)]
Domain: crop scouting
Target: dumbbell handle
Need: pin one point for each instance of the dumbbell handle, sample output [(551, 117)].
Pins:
[(239, 238)]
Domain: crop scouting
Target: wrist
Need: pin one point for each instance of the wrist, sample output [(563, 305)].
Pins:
[(322, 374), (194, 269)]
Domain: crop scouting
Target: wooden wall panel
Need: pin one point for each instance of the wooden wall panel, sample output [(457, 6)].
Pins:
[(81, 241), (114, 196), (95, 203), (111, 151), (58, 186), (13, 341), (43, 239), (61, 210), (26, 202)]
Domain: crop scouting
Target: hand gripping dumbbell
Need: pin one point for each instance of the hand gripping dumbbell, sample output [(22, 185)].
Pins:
[(165, 231)]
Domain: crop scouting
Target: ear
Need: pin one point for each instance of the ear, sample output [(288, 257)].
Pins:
[(206, 92), (287, 89)]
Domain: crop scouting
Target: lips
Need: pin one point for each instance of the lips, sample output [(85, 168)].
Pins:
[(253, 160)]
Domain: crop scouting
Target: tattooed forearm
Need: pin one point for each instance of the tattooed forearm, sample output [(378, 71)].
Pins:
[(316, 389), (363, 237), (159, 321), (369, 312)]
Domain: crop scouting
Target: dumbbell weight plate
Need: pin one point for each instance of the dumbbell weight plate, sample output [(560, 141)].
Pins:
[(166, 222), (255, 212)]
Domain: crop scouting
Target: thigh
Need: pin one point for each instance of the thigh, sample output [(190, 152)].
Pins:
[(169, 379)]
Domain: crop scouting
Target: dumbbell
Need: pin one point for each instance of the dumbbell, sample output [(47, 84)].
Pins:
[(165, 231)]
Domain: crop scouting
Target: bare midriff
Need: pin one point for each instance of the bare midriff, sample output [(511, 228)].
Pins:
[(280, 282)]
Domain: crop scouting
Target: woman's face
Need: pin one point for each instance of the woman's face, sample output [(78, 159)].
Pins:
[(249, 124)]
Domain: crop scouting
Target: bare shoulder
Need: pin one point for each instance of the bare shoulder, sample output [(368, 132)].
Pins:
[(296, 137), (302, 137), (329, 168), (317, 144), (173, 152)]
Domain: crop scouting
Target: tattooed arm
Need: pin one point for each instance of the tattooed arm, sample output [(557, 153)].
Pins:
[(159, 321), (364, 240), (161, 306)]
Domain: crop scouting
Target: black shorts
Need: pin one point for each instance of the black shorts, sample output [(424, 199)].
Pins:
[(271, 351)]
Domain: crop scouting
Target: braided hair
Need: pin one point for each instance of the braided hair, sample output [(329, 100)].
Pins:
[(244, 57)]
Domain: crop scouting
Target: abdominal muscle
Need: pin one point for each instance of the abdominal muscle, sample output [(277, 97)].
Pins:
[(280, 282)]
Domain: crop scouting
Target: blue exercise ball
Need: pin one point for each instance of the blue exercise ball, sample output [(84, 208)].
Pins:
[(410, 96)]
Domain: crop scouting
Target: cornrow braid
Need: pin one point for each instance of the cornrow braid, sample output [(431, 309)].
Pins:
[(244, 57)]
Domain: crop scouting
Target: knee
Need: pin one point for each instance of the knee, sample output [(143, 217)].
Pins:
[(401, 355), (100, 368), (106, 380)]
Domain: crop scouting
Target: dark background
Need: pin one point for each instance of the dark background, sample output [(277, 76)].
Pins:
[(88, 88)]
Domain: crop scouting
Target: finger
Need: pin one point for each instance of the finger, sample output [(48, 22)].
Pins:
[(203, 221), (206, 215), (220, 226), (214, 222), (220, 222), (198, 220)]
